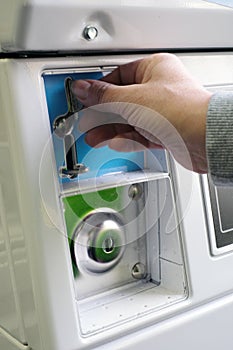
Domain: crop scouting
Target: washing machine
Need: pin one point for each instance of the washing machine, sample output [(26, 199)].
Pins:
[(101, 249)]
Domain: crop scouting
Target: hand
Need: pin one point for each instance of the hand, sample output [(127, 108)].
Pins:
[(161, 104)]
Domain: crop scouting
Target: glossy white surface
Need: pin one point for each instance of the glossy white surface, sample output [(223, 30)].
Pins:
[(205, 327), (8, 342), (41, 279), (126, 25)]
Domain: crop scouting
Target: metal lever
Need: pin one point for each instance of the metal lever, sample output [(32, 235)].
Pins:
[(63, 126)]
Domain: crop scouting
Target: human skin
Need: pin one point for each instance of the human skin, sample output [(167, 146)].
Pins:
[(161, 84)]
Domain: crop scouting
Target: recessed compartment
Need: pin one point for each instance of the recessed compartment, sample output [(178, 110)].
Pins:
[(126, 252), (70, 147), (120, 217)]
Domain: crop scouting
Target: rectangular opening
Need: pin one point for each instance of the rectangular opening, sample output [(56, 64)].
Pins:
[(96, 162), (120, 218)]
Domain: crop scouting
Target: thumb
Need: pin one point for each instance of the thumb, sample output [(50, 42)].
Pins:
[(93, 92)]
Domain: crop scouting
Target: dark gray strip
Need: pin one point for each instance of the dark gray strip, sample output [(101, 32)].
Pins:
[(219, 138)]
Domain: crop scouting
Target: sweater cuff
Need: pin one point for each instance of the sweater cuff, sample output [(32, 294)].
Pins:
[(219, 138)]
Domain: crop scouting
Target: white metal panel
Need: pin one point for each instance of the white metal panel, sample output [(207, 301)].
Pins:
[(209, 277), (209, 326), (10, 234), (8, 342), (43, 238), (162, 24), (9, 16)]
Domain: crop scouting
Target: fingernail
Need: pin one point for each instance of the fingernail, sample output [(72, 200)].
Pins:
[(80, 88)]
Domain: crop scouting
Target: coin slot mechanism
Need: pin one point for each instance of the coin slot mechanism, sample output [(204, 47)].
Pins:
[(75, 160)]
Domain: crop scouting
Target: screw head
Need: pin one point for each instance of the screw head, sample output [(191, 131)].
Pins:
[(90, 32), (139, 271), (135, 191)]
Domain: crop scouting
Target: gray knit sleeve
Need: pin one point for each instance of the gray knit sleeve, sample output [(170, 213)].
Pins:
[(219, 138)]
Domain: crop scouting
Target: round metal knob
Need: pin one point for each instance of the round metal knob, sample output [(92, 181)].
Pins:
[(90, 32), (99, 240)]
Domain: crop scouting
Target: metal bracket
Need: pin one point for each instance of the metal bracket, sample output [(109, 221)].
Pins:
[(63, 127)]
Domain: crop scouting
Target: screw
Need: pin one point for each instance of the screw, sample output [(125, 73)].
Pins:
[(90, 32), (138, 271), (135, 191)]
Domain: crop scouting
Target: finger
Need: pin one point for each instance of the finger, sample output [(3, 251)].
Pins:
[(131, 142), (124, 74), (151, 125), (91, 118), (121, 138), (99, 135), (93, 92)]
